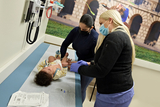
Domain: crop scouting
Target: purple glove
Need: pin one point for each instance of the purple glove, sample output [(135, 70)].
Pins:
[(75, 66), (82, 62)]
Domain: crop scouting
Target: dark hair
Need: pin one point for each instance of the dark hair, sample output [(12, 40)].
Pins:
[(43, 79), (87, 20)]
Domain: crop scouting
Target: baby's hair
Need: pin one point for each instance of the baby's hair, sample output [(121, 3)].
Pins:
[(43, 79)]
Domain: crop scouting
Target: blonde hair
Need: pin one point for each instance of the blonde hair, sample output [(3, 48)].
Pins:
[(117, 22)]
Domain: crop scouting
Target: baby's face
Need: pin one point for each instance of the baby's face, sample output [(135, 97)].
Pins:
[(51, 69), (48, 70)]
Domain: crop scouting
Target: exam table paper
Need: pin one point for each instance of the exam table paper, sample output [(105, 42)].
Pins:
[(23, 99), (62, 91)]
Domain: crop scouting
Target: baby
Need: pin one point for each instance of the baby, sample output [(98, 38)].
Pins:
[(52, 69)]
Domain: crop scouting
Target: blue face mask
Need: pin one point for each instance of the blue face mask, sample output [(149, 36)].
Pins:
[(104, 31)]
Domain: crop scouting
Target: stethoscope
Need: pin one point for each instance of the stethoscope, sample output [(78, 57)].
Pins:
[(30, 27)]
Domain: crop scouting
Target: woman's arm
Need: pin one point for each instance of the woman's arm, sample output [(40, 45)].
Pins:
[(69, 39)]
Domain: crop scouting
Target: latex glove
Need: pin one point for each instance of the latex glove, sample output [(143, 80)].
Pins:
[(74, 67), (82, 62)]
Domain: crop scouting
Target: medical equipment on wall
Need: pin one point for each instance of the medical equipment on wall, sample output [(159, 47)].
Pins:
[(33, 16), (49, 7), (57, 7)]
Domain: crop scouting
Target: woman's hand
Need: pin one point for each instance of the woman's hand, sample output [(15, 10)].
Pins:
[(74, 66), (70, 62)]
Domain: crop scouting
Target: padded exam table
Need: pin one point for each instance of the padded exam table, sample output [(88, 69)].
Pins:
[(65, 92)]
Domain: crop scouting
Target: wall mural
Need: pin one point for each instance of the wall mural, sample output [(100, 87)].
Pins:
[(143, 18)]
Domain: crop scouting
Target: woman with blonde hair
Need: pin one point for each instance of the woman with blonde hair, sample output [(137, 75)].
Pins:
[(114, 57)]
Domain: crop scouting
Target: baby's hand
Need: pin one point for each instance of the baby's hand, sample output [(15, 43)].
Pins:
[(69, 60), (66, 55)]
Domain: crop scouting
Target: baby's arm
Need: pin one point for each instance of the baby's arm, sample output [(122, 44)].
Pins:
[(41, 65), (65, 60)]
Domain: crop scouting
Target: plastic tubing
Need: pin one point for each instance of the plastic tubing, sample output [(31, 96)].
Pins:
[(50, 13)]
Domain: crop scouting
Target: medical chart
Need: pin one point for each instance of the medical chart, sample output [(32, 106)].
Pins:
[(21, 99)]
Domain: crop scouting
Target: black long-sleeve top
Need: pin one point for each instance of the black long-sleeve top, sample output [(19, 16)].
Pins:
[(112, 67), (83, 44)]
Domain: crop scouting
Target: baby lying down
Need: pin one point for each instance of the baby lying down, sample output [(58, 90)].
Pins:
[(52, 69)]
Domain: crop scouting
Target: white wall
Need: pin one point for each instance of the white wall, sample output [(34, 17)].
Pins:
[(146, 77), (13, 29)]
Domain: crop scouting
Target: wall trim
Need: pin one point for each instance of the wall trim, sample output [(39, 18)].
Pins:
[(8, 68), (147, 64), (54, 40)]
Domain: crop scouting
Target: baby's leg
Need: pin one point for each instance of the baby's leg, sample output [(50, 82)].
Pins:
[(51, 59)]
